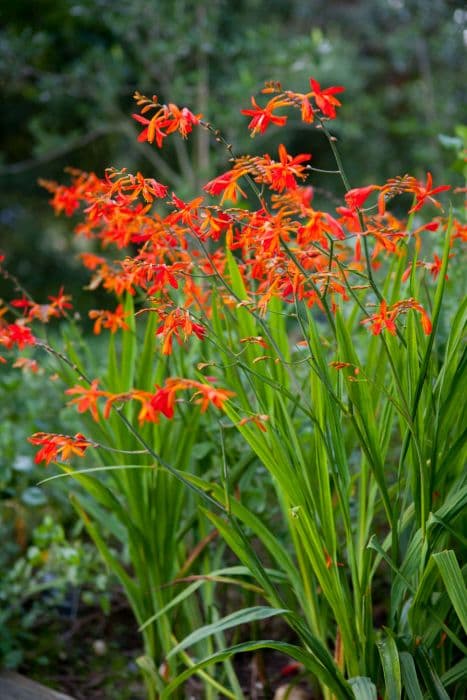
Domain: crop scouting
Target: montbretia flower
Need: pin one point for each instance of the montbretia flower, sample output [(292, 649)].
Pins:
[(227, 185), (176, 322), (325, 100), (387, 315), (87, 398), (113, 320), (425, 192), (165, 120), (16, 334), (263, 116), (357, 197), (61, 447), (282, 175)]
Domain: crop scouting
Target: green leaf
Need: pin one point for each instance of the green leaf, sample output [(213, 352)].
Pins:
[(409, 677), (457, 673), (114, 565), (147, 665), (363, 688), (431, 678), (189, 590), (391, 667), (239, 617), (452, 577), (340, 687)]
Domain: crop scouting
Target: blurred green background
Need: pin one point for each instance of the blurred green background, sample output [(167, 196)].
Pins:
[(68, 69)]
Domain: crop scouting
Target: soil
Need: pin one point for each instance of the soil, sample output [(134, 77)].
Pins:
[(94, 659)]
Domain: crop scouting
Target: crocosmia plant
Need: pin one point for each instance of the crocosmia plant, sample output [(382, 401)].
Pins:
[(256, 338)]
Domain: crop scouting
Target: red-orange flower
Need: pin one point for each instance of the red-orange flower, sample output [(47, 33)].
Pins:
[(425, 192), (181, 120), (282, 174), (163, 401), (165, 120), (113, 320), (263, 116), (386, 317), (174, 322), (357, 197), (227, 183), (152, 130), (58, 446), (325, 100), (60, 303), (16, 334), (87, 398)]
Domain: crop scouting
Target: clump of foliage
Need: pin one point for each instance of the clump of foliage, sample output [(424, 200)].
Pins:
[(326, 341)]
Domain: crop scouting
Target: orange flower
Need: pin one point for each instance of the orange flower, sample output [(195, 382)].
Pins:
[(424, 192), (147, 412), (386, 316), (210, 395), (357, 197), (164, 399), (113, 320), (92, 261), (263, 116), (16, 334), (44, 312), (256, 339), (228, 184), (258, 420), (281, 175), (25, 363), (174, 322), (86, 399), (63, 446), (325, 100), (137, 185)]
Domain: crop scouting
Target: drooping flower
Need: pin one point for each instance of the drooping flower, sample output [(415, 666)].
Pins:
[(325, 100), (387, 315), (58, 446), (113, 320), (282, 174), (384, 318), (87, 398), (16, 334), (264, 116), (425, 192), (357, 197), (227, 185), (176, 322)]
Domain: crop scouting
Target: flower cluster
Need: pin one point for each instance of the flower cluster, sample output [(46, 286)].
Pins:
[(54, 446), (173, 255), (387, 315), (153, 404), (164, 121)]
